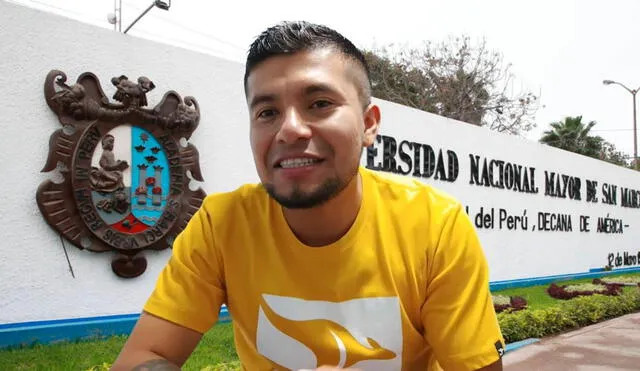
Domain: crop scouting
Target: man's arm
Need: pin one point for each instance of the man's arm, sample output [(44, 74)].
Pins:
[(458, 316), (156, 345), (496, 366), (184, 304)]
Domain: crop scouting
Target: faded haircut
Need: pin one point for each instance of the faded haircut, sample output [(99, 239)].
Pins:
[(288, 38)]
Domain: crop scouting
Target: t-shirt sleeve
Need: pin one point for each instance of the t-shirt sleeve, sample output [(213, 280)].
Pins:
[(190, 288), (458, 316)]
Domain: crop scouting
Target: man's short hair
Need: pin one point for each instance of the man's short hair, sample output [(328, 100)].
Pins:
[(291, 37)]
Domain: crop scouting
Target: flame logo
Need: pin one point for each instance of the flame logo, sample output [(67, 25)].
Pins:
[(331, 343)]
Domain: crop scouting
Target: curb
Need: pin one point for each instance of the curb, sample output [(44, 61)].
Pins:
[(519, 344)]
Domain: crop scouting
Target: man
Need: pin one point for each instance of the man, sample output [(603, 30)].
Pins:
[(325, 263)]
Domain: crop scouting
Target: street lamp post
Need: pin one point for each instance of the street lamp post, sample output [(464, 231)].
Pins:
[(635, 134), (164, 5)]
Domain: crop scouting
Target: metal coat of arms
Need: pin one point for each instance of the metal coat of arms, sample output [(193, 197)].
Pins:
[(126, 185)]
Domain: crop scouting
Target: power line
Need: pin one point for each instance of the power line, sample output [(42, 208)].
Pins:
[(163, 18), (80, 16), (180, 42), (61, 11), (611, 130)]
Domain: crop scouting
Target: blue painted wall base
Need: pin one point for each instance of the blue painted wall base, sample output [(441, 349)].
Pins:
[(51, 332), (526, 282), (48, 332)]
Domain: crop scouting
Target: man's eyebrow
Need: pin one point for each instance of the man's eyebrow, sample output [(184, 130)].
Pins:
[(308, 90), (319, 88), (261, 98)]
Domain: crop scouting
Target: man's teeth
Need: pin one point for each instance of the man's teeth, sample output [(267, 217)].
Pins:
[(297, 162)]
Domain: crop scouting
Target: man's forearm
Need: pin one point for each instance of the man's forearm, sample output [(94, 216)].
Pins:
[(496, 366)]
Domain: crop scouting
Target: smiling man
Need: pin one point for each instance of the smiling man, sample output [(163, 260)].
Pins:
[(324, 263)]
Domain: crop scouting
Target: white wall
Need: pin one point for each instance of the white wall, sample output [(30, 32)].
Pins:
[(35, 282), (515, 254)]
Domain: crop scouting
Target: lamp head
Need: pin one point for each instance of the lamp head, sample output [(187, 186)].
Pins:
[(608, 82), (112, 18), (164, 5)]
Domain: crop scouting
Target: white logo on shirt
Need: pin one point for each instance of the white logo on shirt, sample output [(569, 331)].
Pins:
[(361, 333)]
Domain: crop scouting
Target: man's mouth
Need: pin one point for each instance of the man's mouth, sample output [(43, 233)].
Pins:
[(291, 163)]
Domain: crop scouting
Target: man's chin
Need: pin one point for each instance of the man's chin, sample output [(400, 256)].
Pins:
[(298, 198), (298, 201)]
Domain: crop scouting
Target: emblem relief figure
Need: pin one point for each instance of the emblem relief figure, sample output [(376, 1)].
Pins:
[(126, 176)]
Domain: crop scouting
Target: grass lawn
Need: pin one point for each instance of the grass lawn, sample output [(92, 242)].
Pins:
[(216, 347)]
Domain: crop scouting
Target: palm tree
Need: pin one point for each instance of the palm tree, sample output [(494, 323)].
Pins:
[(573, 135)]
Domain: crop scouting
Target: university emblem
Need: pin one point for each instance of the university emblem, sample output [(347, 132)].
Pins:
[(124, 167)]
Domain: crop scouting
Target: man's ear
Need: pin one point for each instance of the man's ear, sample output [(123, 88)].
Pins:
[(371, 124)]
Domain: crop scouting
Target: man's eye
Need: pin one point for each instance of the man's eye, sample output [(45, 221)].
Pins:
[(321, 104), (264, 114)]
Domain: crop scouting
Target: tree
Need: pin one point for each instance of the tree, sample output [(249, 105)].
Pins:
[(573, 135), (454, 79), (610, 153), (400, 83)]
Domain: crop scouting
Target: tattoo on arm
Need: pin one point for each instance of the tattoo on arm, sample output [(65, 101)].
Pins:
[(156, 365)]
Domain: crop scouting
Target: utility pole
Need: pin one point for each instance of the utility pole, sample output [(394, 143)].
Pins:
[(635, 133), (115, 18), (119, 15)]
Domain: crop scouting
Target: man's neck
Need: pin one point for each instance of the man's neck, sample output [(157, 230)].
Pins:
[(327, 223)]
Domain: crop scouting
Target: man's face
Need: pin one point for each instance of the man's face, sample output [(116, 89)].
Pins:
[(308, 125)]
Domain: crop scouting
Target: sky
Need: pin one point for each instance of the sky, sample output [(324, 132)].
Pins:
[(561, 49)]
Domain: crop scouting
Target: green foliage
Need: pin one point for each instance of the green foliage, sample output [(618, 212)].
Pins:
[(215, 348), (536, 296), (622, 279), (103, 367), (585, 287), (232, 366), (611, 154), (573, 135), (454, 78), (501, 300), (578, 312)]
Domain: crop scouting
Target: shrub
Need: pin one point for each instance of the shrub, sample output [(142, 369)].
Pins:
[(103, 367), (621, 280), (233, 366), (577, 312), (586, 289), (502, 303)]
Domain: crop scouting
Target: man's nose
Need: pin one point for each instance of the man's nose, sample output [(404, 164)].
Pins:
[(293, 128)]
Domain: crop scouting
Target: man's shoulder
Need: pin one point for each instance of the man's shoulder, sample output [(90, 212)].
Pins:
[(411, 191), (249, 196)]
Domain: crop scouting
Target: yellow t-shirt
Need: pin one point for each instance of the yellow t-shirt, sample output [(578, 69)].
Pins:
[(405, 289)]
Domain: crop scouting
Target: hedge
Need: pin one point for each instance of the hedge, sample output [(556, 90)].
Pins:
[(577, 312)]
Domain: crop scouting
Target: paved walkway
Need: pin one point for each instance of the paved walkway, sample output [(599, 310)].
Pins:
[(610, 345)]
